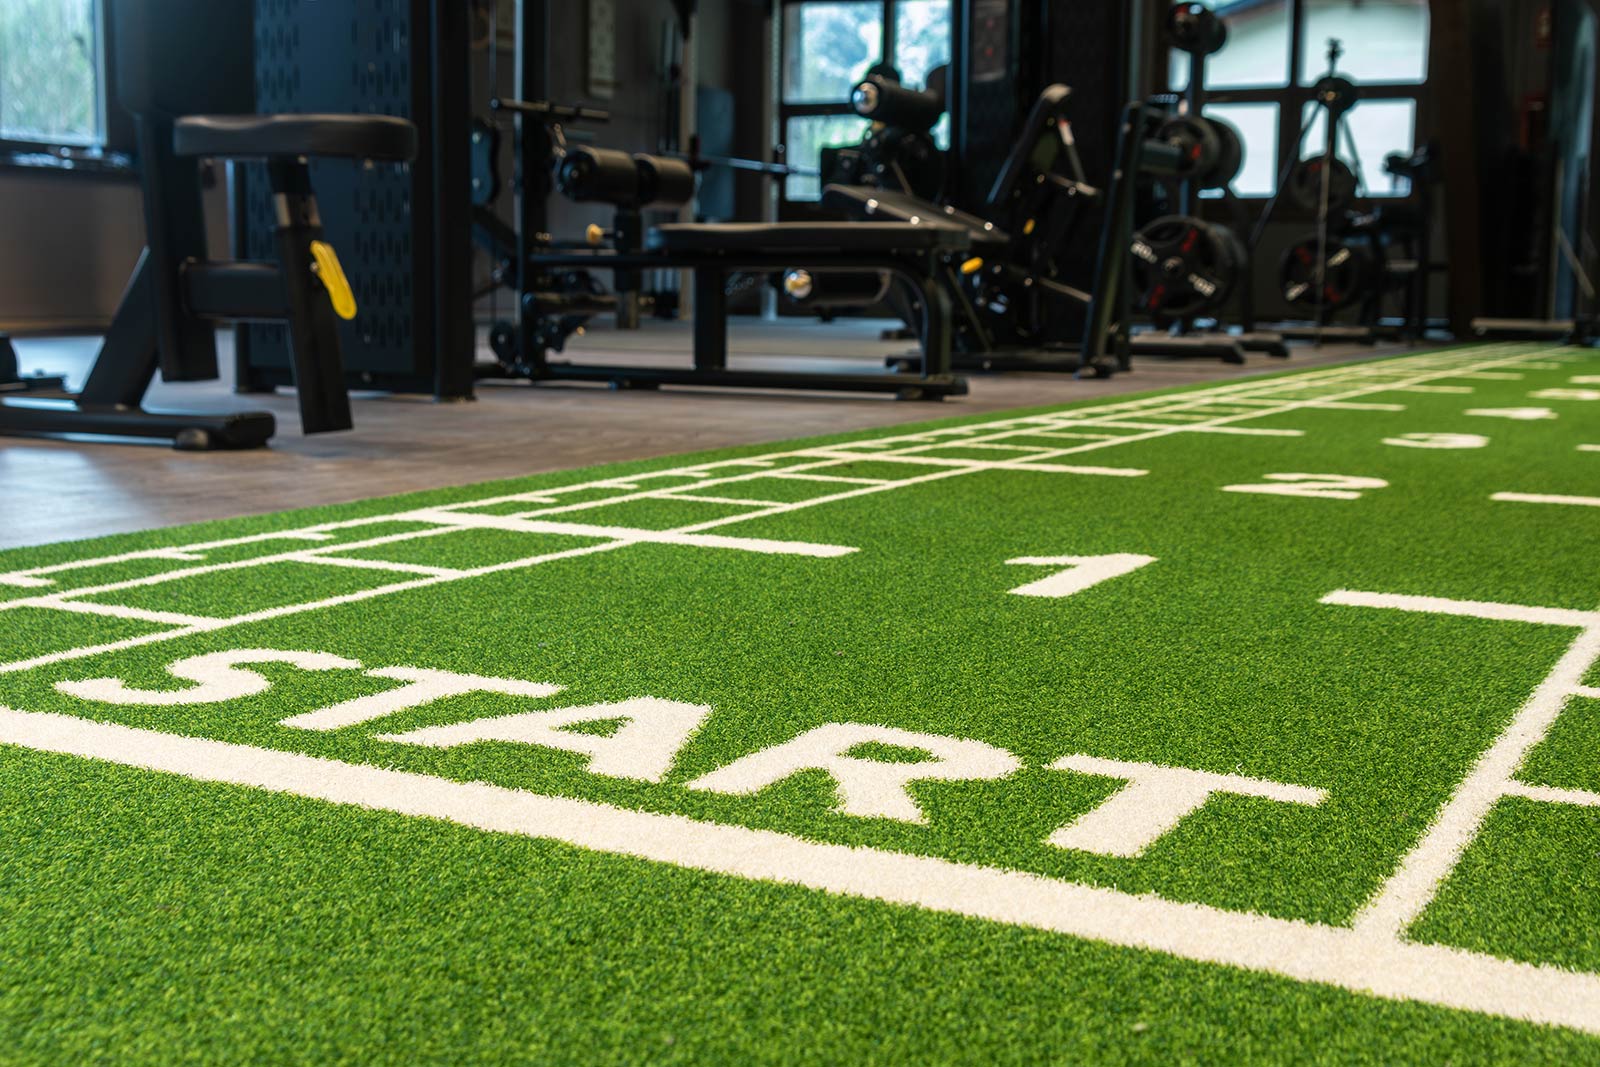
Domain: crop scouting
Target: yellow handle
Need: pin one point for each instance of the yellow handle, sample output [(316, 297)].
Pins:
[(972, 266), (333, 279)]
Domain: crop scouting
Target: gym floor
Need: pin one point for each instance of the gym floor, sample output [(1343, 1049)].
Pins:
[(54, 490)]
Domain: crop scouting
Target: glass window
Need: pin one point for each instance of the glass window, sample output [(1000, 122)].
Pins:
[(1258, 130), (1379, 128), (1385, 41), (49, 66), (1257, 52), (827, 48), (922, 39), (805, 136)]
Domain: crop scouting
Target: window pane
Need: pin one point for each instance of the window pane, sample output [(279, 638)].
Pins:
[(48, 71), (1257, 52), (827, 48), (922, 39), (804, 139), (1384, 40), (1379, 128), (1258, 129)]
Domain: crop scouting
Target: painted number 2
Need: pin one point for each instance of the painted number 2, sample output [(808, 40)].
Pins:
[(1319, 486)]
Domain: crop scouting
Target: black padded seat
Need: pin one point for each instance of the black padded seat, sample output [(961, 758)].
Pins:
[(381, 137), (881, 205), (820, 238)]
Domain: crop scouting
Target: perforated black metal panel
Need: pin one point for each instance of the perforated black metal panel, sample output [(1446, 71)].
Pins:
[(354, 56)]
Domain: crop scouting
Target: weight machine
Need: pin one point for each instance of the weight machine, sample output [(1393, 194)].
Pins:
[(556, 287)]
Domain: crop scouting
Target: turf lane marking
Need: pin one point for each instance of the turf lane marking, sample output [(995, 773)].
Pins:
[(1577, 797), (120, 611), (837, 478), (629, 535), (1420, 369), (1333, 956), (1494, 376), (1471, 609), (357, 563), (1348, 406), (31, 578), (1240, 431), (1402, 899), (739, 501), (1589, 448), (1545, 498), (1461, 390)]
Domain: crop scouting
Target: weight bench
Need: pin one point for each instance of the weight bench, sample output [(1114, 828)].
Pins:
[(713, 251), (166, 319)]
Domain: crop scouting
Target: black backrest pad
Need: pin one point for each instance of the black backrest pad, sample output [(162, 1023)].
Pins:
[(1038, 146)]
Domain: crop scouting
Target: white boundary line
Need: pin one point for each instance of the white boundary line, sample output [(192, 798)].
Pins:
[(1334, 956)]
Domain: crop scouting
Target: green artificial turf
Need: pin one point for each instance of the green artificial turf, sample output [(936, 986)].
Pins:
[(149, 917)]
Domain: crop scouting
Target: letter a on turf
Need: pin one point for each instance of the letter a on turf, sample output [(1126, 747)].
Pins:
[(643, 748), (867, 787)]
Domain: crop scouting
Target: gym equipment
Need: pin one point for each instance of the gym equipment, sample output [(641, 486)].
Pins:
[(898, 152), (1304, 187), (556, 291), (1178, 267), (1325, 186), (1195, 28), (166, 318), (1184, 267), (14, 382), (1351, 272), (1007, 287), (404, 231)]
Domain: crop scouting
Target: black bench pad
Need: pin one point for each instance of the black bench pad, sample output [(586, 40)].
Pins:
[(380, 137), (820, 238), (869, 203)]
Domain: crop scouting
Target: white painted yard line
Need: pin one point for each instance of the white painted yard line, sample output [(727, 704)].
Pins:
[(1494, 376), (356, 563), (1461, 390), (122, 611), (1347, 406), (185, 553), (1306, 952), (1406, 895), (1471, 609), (1589, 448), (669, 494), (661, 537), (1549, 795), (1546, 498), (837, 478), (1588, 692)]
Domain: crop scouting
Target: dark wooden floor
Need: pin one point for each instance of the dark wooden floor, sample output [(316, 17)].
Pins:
[(60, 490)]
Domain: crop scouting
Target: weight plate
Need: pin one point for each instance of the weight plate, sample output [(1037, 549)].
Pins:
[(1351, 274), (1184, 267), (1304, 190)]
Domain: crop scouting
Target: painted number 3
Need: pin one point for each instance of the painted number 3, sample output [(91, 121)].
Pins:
[(1319, 486)]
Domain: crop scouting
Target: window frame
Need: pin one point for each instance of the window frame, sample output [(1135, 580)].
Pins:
[(111, 153), (887, 46), (1292, 99)]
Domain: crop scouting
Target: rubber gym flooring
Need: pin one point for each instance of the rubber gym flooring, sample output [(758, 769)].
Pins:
[(1250, 722)]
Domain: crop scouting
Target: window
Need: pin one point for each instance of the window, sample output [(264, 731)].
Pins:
[(1278, 49), (50, 73), (830, 45)]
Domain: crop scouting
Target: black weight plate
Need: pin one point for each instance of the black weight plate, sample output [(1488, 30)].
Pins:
[(1184, 267), (1304, 190), (1351, 273)]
